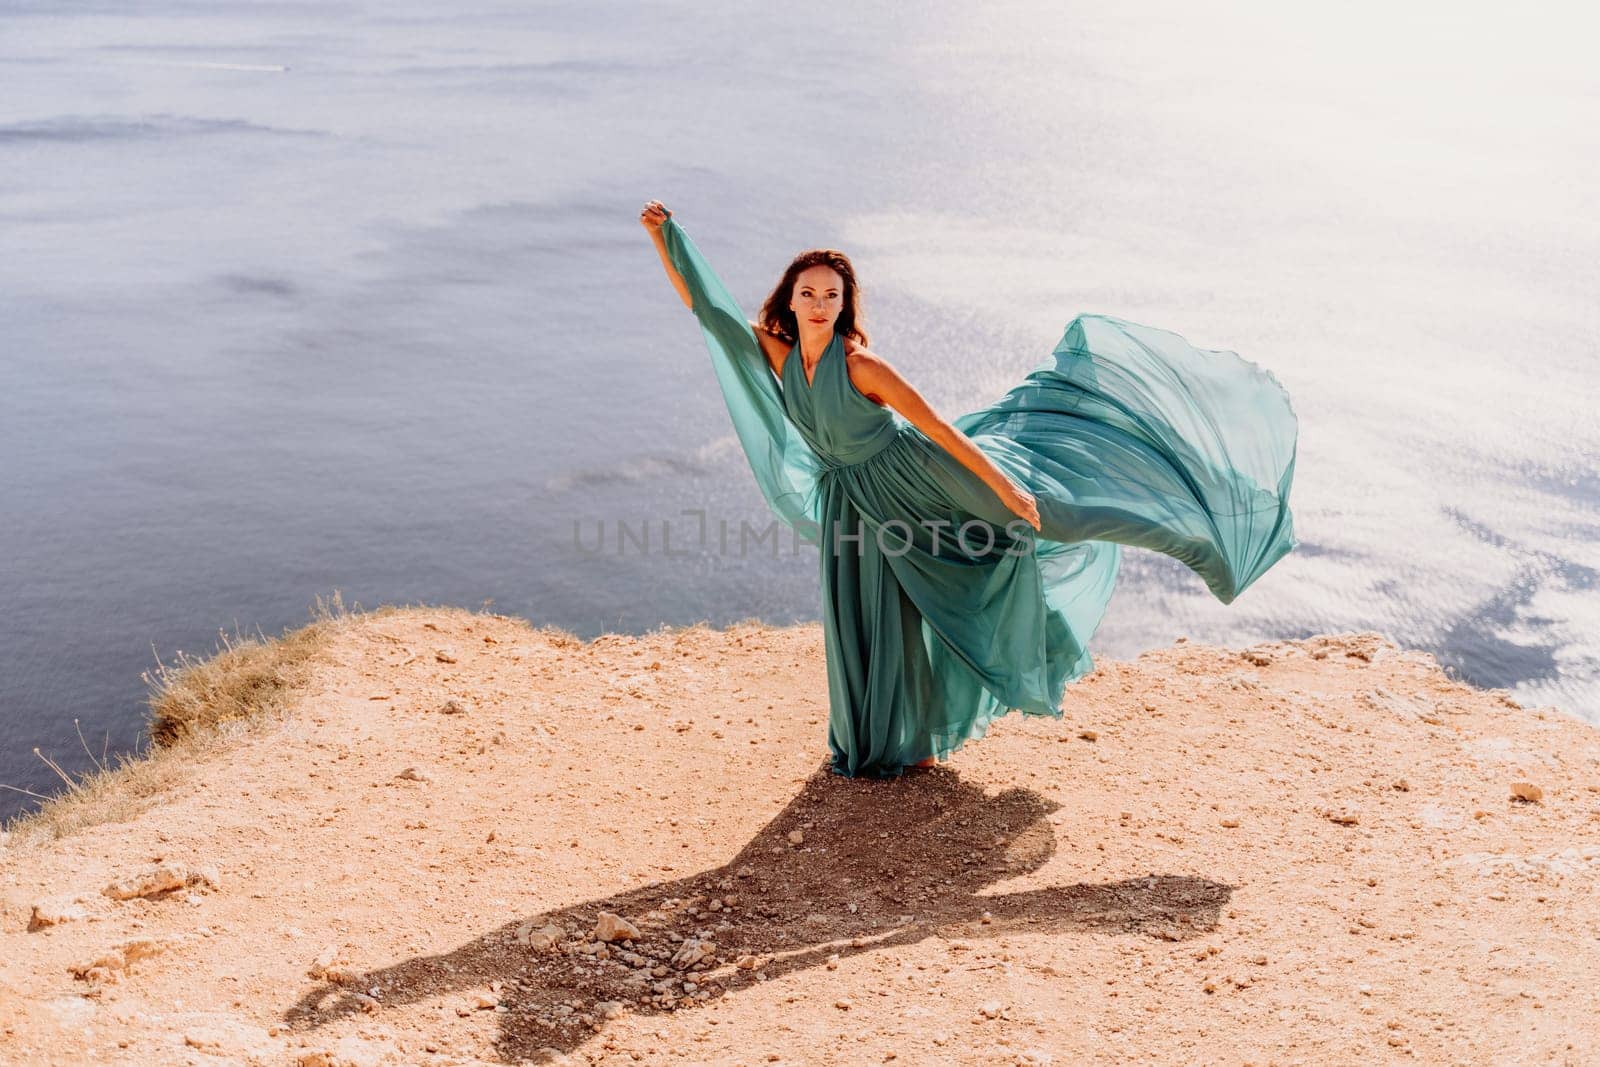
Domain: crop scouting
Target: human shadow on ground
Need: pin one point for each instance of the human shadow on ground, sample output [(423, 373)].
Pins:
[(911, 855)]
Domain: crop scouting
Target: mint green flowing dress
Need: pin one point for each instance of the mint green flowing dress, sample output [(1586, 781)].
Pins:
[(941, 609)]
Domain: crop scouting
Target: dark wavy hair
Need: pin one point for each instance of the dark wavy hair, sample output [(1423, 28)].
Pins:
[(780, 322)]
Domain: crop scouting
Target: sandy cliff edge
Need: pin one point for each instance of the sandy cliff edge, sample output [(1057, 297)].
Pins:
[(1305, 851)]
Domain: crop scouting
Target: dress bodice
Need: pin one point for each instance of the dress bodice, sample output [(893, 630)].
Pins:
[(839, 423)]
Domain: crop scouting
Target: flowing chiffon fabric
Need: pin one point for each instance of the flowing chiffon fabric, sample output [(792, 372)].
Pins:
[(941, 609)]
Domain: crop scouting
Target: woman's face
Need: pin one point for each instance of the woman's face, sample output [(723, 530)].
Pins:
[(818, 298)]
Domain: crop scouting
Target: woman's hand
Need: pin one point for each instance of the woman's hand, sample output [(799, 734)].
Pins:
[(1021, 502), (651, 218), (653, 215)]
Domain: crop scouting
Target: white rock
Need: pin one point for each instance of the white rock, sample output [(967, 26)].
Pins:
[(320, 966), (612, 927), (53, 911), (107, 967), (692, 952), (148, 883)]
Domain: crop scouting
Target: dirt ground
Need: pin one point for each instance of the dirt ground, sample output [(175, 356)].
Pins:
[(1302, 852)]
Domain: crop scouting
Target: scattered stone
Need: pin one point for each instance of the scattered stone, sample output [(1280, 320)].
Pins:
[(154, 880), (1344, 817), (692, 952), (53, 912), (411, 774), (1230, 822), (444, 655), (1088, 735), (615, 928), (796, 837), (1400, 785), (542, 939), (991, 1009), (453, 706), (324, 961), (108, 968), (1526, 792)]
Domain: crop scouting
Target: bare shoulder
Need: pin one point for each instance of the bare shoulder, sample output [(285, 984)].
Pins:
[(869, 373), (860, 357)]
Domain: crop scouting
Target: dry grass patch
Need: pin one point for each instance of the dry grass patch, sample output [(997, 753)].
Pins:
[(246, 678), (197, 706)]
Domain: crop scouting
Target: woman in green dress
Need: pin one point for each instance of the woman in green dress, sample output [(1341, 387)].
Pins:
[(965, 564)]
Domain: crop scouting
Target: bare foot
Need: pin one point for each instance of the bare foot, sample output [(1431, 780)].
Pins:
[(929, 762)]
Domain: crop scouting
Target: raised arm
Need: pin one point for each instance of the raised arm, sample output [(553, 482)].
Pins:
[(875, 377), (653, 215)]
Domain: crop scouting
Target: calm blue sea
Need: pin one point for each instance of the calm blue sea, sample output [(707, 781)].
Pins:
[(298, 297)]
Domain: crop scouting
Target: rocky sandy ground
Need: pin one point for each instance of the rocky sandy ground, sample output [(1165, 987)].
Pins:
[(473, 841)]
